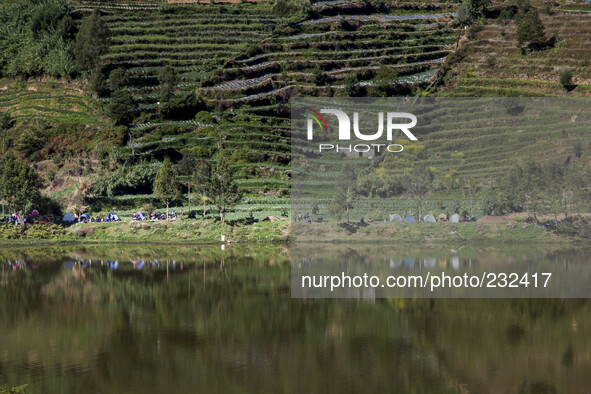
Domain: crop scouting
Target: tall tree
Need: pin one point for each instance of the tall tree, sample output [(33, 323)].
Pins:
[(166, 186), (530, 30), (203, 181), (224, 189), (186, 167), (92, 41), (418, 184), (19, 183), (168, 80)]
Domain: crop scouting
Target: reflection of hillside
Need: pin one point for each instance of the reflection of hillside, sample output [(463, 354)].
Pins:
[(493, 345)]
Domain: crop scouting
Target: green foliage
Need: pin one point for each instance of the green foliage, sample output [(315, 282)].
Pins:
[(182, 107), (126, 180), (282, 8), (566, 79), (186, 166), (203, 184), (418, 184), (97, 81), (122, 107), (118, 79), (223, 189), (352, 88), (19, 183), (530, 30), (92, 41), (166, 186), (168, 80), (36, 38), (22, 389), (204, 117)]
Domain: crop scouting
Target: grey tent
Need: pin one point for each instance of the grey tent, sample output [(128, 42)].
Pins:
[(395, 218), (69, 217), (409, 218), (429, 219), (429, 262), (84, 217), (455, 218)]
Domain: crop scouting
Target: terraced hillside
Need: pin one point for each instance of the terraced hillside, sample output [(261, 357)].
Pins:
[(493, 65), (51, 99), (195, 40), (326, 55)]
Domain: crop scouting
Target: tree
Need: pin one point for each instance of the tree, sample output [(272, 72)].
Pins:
[(281, 8), (97, 81), (186, 167), (340, 203), (566, 80), (92, 41), (224, 189), (168, 80), (166, 186), (203, 181), (19, 183), (6, 123), (122, 107), (118, 79), (418, 184), (345, 192), (530, 30)]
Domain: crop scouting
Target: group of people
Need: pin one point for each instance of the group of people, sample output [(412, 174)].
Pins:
[(307, 218), (156, 216), (30, 218)]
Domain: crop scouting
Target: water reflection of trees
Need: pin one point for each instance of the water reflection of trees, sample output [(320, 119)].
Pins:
[(233, 327)]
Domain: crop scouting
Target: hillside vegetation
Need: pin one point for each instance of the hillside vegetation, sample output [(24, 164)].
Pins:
[(236, 67)]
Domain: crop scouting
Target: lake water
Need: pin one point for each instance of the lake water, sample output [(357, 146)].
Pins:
[(180, 319)]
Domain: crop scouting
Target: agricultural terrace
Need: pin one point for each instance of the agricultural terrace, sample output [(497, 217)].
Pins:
[(490, 63), (50, 99)]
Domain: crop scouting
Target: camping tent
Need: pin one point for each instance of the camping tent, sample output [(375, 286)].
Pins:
[(441, 216), (112, 217), (84, 216), (455, 218), (69, 217), (395, 218), (69, 264), (429, 262), (429, 219), (35, 212), (409, 218)]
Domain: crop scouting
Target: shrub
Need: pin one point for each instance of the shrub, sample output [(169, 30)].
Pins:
[(566, 80), (204, 117)]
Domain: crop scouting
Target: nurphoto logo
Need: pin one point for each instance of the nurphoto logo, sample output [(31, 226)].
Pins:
[(392, 124)]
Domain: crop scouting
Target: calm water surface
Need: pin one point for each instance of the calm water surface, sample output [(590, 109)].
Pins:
[(179, 319)]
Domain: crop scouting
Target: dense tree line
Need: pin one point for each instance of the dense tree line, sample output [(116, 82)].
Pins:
[(548, 188)]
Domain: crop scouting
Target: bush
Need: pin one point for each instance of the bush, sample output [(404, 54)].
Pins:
[(204, 117), (137, 179), (566, 80)]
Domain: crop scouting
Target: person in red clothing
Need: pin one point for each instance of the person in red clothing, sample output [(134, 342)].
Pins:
[(181, 214)]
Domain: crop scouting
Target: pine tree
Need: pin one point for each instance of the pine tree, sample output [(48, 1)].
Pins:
[(166, 186), (92, 41), (168, 80)]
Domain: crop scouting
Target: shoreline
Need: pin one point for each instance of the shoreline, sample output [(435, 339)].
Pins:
[(283, 231)]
